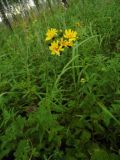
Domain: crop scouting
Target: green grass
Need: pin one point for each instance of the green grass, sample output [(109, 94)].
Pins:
[(62, 107)]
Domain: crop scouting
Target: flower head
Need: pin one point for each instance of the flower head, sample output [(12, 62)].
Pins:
[(63, 42), (55, 48), (77, 24), (70, 34), (69, 43), (51, 33), (82, 80), (66, 43)]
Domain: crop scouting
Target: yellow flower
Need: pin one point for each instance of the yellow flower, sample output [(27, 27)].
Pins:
[(69, 43), (70, 34), (82, 80), (77, 24), (55, 48), (65, 43), (51, 33)]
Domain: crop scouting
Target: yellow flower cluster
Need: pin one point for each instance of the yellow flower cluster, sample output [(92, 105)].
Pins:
[(60, 43)]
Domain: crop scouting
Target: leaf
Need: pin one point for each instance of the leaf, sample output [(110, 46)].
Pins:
[(100, 154), (22, 151), (108, 113), (85, 137), (106, 118)]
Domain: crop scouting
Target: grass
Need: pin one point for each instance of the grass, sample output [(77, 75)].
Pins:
[(62, 107)]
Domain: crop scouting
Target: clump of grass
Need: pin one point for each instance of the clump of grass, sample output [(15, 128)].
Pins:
[(62, 107)]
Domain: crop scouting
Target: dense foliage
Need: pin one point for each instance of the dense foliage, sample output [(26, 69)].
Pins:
[(62, 107)]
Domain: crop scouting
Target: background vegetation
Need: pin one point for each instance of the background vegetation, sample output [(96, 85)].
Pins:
[(62, 107)]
